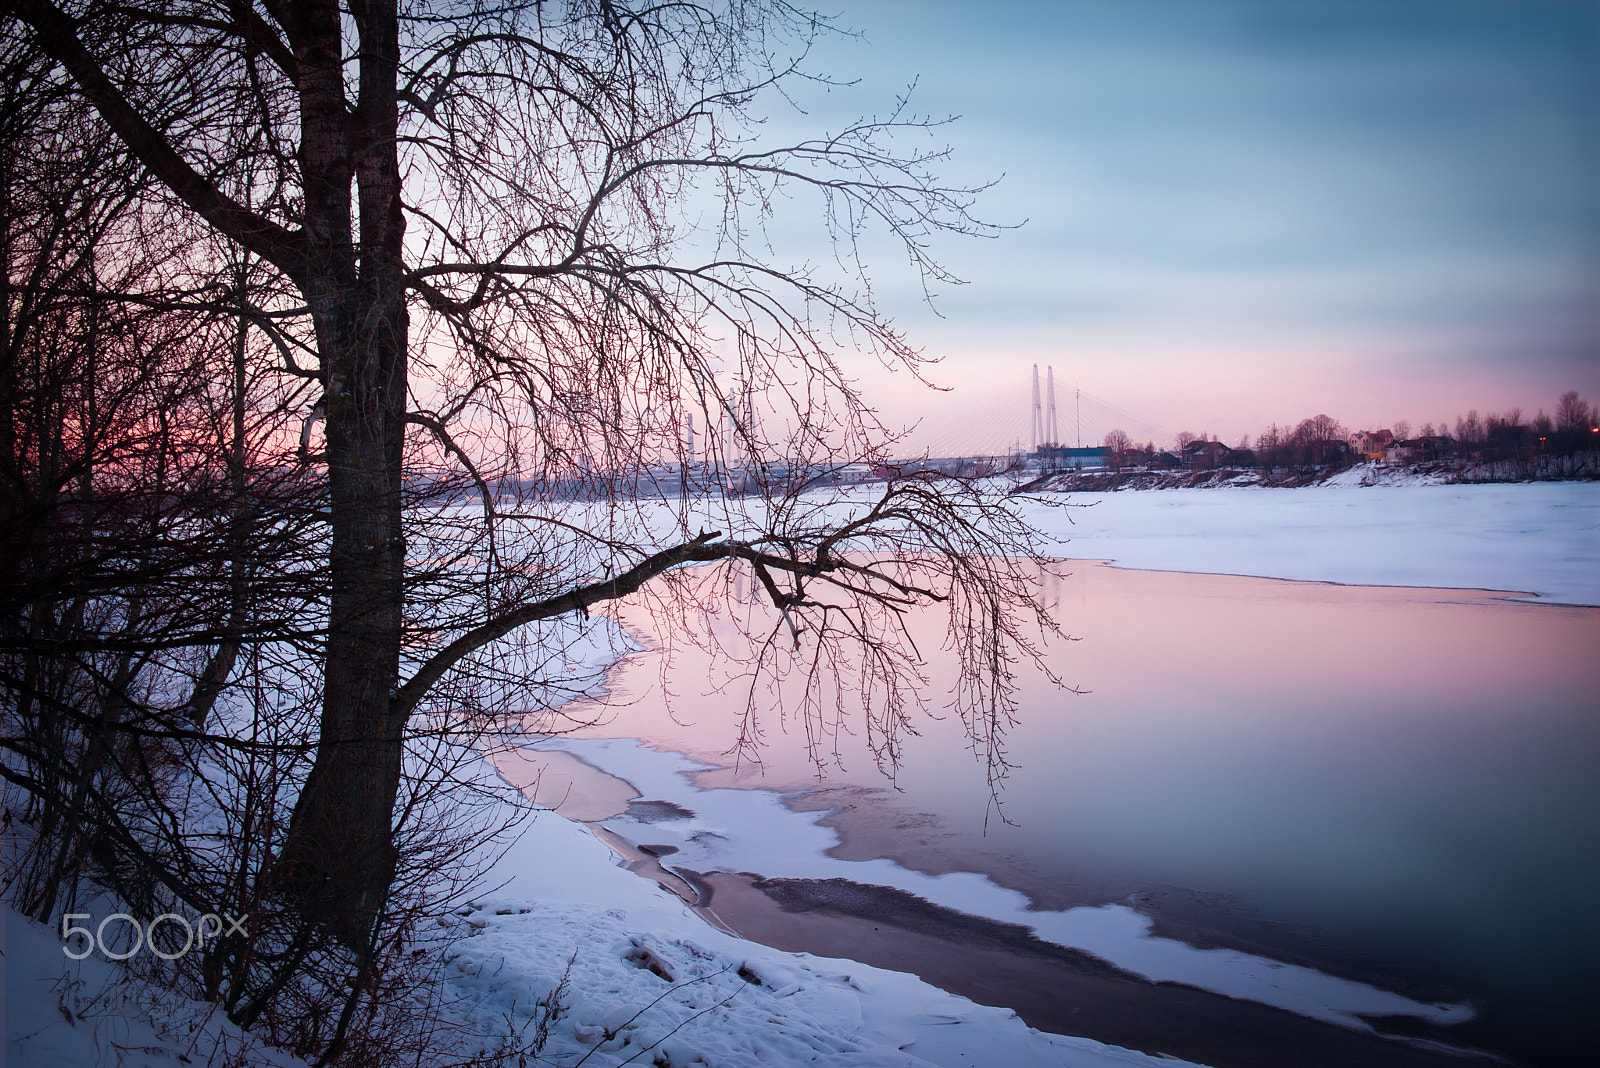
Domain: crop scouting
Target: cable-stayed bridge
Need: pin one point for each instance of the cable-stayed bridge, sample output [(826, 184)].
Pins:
[(1028, 415)]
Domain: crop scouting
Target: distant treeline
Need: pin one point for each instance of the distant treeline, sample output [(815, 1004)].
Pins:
[(1322, 441)]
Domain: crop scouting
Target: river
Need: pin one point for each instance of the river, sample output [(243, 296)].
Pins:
[(1392, 784)]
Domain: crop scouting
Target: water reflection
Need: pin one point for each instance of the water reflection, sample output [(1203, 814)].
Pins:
[(1410, 771)]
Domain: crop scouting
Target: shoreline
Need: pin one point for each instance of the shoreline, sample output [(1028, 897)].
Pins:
[(869, 825), (1580, 468), (1053, 988)]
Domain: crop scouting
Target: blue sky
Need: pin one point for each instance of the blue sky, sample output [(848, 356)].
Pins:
[(1245, 212)]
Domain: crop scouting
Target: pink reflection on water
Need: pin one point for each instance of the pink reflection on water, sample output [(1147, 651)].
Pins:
[(1324, 747), (1161, 656), (1412, 772)]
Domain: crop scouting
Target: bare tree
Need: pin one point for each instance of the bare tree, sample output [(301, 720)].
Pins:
[(1575, 421), (1470, 432), (1119, 443), (476, 278), (1269, 445), (1573, 413), (1322, 439)]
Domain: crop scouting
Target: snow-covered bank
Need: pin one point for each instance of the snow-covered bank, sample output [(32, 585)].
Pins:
[(1539, 538), (1536, 538), (64, 1013), (729, 1002), (745, 829), (648, 982)]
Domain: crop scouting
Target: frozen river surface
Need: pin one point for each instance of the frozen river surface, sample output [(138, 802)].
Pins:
[(1539, 538)]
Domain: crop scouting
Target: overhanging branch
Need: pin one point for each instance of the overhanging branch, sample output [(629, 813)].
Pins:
[(699, 549)]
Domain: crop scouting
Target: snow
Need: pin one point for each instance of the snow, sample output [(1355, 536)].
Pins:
[(63, 1013), (564, 900), (567, 896), (1539, 538), (1363, 526)]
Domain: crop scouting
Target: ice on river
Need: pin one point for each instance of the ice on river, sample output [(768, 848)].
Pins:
[(1539, 538)]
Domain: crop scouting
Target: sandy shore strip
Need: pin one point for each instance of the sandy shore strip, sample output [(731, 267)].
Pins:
[(560, 781)]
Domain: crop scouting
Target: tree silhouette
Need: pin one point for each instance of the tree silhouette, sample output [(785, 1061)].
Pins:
[(509, 250), (1573, 414)]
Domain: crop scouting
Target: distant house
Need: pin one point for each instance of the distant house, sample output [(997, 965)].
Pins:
[(1201, 453), (1210, 455), (853, 473), (1511, 442), (1165, 460), (1420, 450), (1135, 458), (1372, 444)]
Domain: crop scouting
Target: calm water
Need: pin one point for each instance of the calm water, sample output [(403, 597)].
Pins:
[(1408, 779)]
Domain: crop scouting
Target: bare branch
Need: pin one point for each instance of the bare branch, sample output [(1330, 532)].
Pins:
[(252, 231)]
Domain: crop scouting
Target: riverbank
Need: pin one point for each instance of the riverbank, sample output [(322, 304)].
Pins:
[(1052, 987), (1582, 467), (1056, 989), (1128, 977)]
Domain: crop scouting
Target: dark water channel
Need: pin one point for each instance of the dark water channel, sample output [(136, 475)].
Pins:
[(1397, 784)]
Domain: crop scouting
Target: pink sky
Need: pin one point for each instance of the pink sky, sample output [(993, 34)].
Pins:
[(1250, 211)]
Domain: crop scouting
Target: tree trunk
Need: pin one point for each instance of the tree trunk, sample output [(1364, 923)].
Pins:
[(339, 858)]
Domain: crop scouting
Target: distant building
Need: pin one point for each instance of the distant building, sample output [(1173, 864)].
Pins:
[(1420, 450), (1165, 461), (1210, 455), (1372, 444), (1135, 458), (1511, 443), (1063, 458)]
